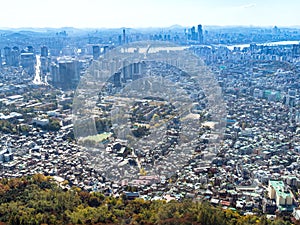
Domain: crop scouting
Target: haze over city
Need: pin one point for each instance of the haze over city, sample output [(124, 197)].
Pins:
[(146, 13)]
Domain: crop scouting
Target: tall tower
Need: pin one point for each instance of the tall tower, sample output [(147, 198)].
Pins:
[(124, 36), (200, 34)]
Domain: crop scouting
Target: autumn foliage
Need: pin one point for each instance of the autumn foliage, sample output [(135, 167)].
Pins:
[(39, 200)]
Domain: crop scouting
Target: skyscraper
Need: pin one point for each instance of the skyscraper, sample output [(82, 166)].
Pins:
[(124, 36), (96, 51), (193, 33), (68, 74), (200, 34), (44, 60)]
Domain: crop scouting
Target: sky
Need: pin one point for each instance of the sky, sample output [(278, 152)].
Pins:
[(147, 13)]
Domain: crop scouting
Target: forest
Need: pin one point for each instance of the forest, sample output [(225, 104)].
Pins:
[(38, 199)]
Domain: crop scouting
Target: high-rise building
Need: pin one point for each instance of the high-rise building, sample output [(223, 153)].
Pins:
[(7, 56), (105, 49), (54, 74), (44, 51), (68, 74), (124, 36), (28, 62), (193, 33), (296, 50), (200, 34), (116, 79), (15, 55), (128, 73), (137, 70), (44, 60), (96, 51), (133, 71), (120, 39), (44, 65)]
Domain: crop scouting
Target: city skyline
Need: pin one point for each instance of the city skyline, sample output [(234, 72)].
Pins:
[(200, 118), (145, 13)]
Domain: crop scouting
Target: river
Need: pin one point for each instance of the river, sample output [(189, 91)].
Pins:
[(277, 43)]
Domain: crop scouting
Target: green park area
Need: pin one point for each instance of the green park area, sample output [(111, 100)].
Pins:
[(98, 138)]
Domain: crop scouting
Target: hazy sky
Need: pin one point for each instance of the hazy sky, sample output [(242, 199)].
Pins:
[(146, 13)]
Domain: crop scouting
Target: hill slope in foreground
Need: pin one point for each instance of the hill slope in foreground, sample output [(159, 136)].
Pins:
[(39, 200)]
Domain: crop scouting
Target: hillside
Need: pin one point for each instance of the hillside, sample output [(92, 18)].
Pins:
[(39, 200)]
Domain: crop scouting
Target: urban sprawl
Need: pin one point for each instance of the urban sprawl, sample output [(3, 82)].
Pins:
[(247, 159)]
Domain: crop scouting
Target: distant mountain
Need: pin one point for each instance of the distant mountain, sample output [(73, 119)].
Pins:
[(31, 31), (16, 35)]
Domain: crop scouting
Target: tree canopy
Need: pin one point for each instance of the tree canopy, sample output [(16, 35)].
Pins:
[(39, 199)]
